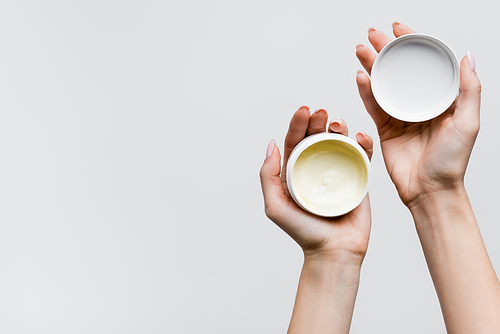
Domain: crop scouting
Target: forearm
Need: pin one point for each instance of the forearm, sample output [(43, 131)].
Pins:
[(465, 281), (325, 297)]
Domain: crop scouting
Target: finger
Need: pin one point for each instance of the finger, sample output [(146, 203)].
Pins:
[(469, 98), (270, 180), (339, 126), (400, 29), (365, 92), (378, 39), (297, 130), (366, 143), (317, 122), (366, 57)]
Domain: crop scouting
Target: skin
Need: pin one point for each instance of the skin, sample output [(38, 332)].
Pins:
[(334, 248), (427, 162)]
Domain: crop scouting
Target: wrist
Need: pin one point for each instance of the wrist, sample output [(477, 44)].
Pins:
[(435, 195), (336, 259), (341, 274), (441, 207), (326, 295)]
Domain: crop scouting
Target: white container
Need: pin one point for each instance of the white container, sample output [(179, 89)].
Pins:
[(328, 174), (415, 77)]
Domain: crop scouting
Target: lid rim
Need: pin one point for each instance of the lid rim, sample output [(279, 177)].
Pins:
[(429, 113)]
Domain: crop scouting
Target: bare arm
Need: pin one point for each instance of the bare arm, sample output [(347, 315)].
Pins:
[(325, 296), (334, 248), (426, 162), (466, 284)]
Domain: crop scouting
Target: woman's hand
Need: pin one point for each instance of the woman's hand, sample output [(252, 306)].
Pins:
[(427, 163), (428, 157), (336, 239)]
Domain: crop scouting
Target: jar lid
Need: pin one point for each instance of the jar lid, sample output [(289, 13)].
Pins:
[(415, 77)]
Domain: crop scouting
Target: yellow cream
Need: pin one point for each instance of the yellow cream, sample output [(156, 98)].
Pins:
[(330, 177)]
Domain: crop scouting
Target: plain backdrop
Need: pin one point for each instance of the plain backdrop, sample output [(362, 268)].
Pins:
[(131, 138)]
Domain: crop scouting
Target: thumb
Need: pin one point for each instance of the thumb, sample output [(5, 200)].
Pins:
[(379, 116), (270, 180), (469, 97)]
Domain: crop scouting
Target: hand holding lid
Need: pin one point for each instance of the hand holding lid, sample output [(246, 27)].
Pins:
[(431, 155)]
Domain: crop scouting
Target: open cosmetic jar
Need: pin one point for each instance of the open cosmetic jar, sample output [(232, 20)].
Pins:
[(415, 77), (328, 174)]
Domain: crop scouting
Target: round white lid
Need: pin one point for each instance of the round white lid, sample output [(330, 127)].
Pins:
[(415, 77)]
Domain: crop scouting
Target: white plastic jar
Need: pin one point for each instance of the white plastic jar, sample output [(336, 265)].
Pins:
[(328, 174)]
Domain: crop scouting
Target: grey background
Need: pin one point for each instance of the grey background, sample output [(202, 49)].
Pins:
[(131, 137)]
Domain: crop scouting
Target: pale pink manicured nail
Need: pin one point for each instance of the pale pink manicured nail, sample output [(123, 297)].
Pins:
[(270, 148), (471, 61), (370, 30), (319, 109), (336, 120), (362, 133), (394, 23), (358, 46)]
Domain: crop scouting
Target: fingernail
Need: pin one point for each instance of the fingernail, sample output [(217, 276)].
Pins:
[(370, 30), (471, 61), (336, 120), (362, 133), (320, 109), (394, 23), (359, 72), (270, 148), (358, 46)]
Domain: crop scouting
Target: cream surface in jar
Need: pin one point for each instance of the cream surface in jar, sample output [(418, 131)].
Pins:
[(328, 174)]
